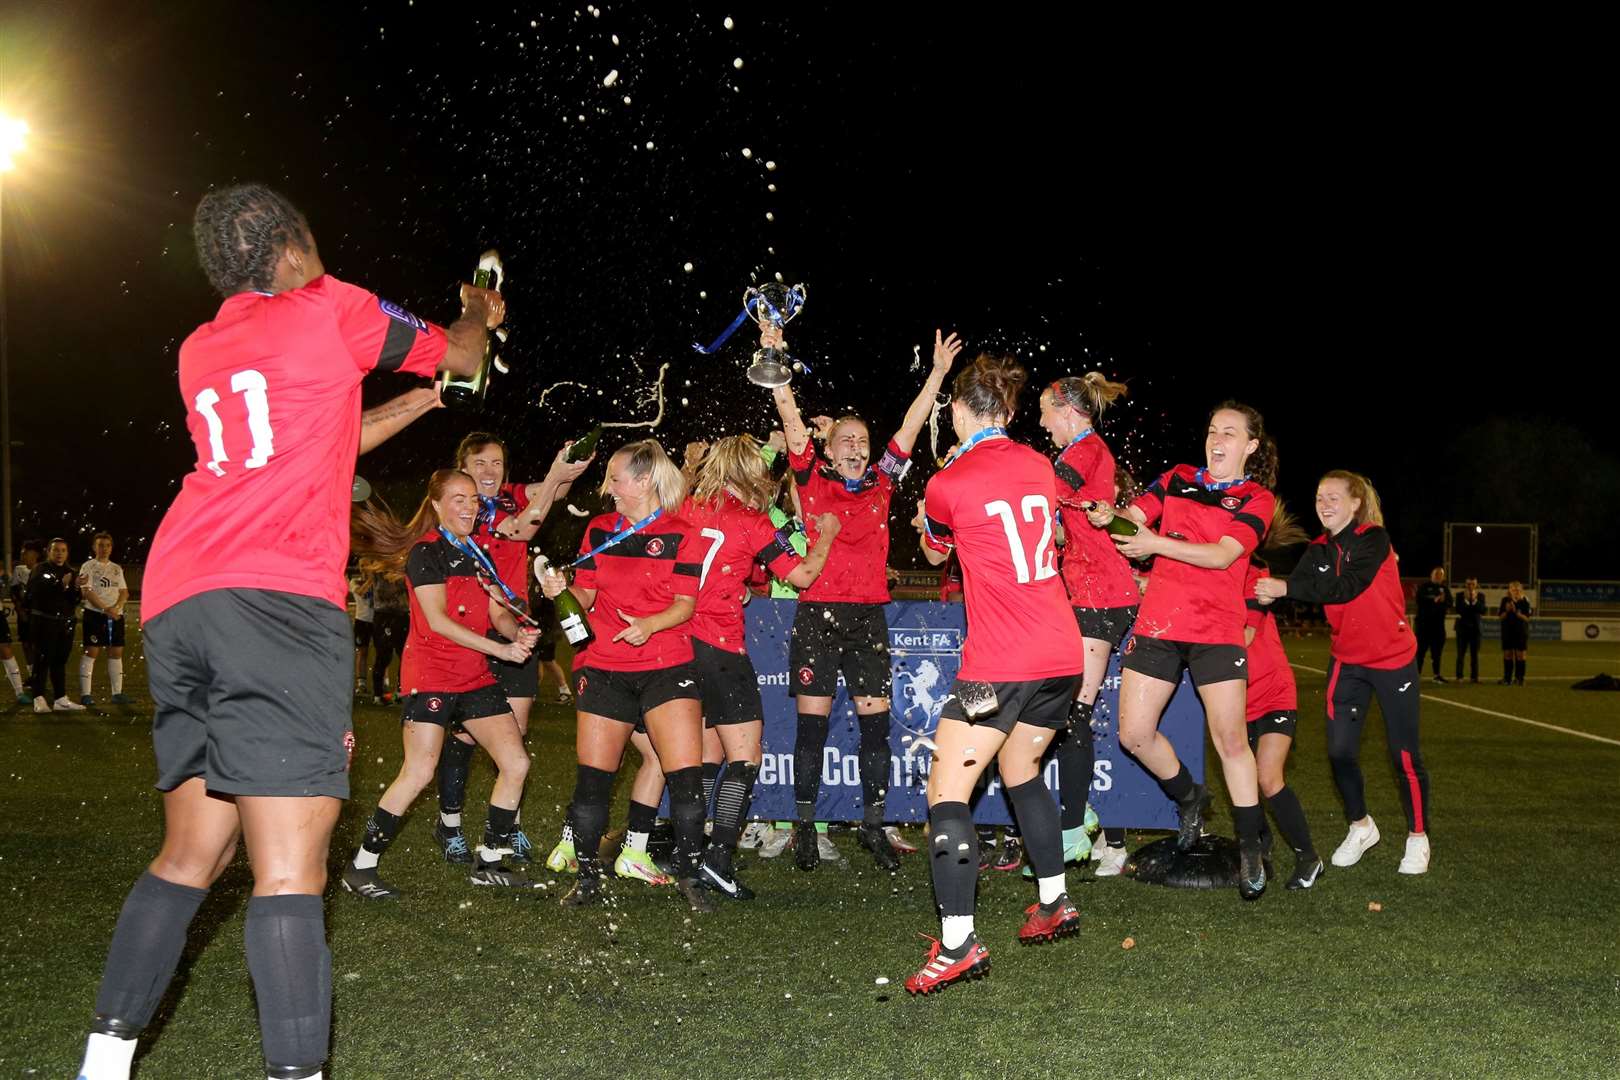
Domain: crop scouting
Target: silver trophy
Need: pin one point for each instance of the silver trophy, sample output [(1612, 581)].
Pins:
[(773, 305)]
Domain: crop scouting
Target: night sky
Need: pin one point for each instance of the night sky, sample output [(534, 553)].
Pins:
[(1380, 240)]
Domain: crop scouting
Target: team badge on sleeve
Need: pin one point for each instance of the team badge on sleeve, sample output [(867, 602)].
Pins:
[(1231, 502), (400, 315), (655, 547), (348, 750)]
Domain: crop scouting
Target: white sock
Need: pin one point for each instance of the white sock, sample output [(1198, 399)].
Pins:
[(115, 673), (14, 675), (636, 841), (107, 1058), (87, 668), (365, 860), (954, 930), (1051, 888), (450, 821)]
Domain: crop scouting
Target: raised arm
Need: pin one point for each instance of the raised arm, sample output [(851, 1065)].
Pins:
[(945, 350), (543, 496), (482, 311)]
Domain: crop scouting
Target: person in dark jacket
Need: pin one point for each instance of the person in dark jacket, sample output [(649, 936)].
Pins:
[(1351, 571), (1433, 601), (52, 600), (1470, 608)]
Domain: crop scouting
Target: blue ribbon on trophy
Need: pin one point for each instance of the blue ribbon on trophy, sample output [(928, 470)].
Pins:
[(773, 304)]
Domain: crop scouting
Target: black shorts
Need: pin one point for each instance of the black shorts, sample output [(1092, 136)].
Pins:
[(101, 629), (252, 690), (1276, 722), (5, 628), (449, 710), (362, 633), (829, 637), (730, 686), (1164, 660), (1036, 702), (627, 696), (515, 680), (1109, 624)]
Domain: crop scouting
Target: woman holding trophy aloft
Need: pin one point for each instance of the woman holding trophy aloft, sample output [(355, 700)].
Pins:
[(840, 622)]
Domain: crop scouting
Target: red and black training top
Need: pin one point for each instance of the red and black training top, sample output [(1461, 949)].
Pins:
[(511, 557), (856, 571), (1271, 681), (641, 575), (432, 662), (1194, 603), (1354, 576), (1094, 572)]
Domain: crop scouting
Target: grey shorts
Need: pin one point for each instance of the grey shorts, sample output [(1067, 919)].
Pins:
[(253, 691)]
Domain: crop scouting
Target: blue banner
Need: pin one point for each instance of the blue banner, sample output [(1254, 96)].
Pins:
[(925, 641)]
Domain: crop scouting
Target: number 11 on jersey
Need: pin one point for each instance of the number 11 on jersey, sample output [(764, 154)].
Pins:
[(255, 395)]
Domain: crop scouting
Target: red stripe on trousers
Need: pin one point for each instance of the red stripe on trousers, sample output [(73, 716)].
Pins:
[(1333, 682), (1417, 791)]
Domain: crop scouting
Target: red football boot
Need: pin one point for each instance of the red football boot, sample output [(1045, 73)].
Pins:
[(939, 970), (1041, 926)]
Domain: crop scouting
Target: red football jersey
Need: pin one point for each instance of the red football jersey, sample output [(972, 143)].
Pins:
[(857, 566), (431, 662), (995, 504), (1271, 679), (272, 393), (511, 557), (640, 575), (1192, 603), (1094, 572), (730, 538)]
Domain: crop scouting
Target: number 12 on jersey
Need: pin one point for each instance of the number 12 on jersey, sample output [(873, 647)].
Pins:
[(255, 395), (1043, 560)]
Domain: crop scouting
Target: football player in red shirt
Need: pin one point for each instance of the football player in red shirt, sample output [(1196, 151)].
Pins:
[(1351, 571), (995, 504), (1210, 520), (248, 566), (728, 514), (444, 676), (508, 517), (638, 578), (840, 623), (1101, 590)]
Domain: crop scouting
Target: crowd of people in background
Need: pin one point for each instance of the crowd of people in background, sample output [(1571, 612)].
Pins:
[(48, 596)]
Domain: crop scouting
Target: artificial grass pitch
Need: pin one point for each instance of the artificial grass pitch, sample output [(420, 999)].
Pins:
[(1504, 960)]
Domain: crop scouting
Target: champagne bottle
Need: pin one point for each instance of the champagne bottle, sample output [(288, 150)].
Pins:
[(460, 390), (585, 446), (1119, 524), (570, 615)]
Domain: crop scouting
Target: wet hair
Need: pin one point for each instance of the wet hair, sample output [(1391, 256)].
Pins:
[(1359, 487), (648, 458), (1090, 394), (476, 441), (382, 541), (847, 418), (241, 231), (1284, 530), (1262, 464), (735, 464), (989, 386)]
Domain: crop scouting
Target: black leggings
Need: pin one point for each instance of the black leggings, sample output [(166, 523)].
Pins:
[(1350, 690), (53, 641), (387, 640)]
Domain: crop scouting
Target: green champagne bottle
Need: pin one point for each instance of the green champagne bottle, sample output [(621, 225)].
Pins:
[(584, 447), (1119, 524), (458, 390), (570, 615)]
